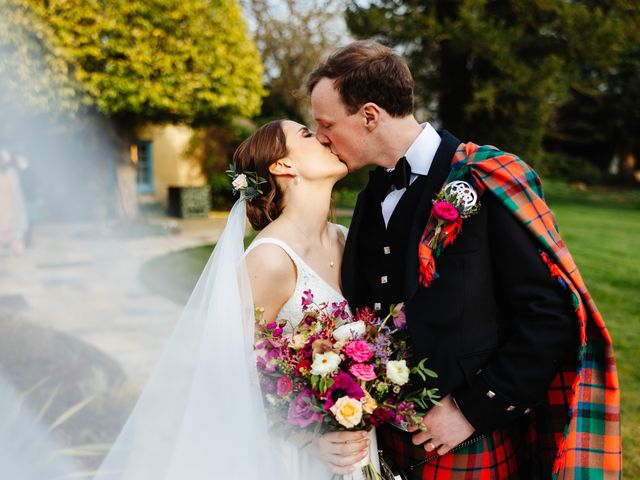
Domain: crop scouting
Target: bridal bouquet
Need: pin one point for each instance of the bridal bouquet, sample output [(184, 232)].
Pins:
[(335, 371)]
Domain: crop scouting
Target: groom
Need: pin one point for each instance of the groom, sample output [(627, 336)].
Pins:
[(493, 322)]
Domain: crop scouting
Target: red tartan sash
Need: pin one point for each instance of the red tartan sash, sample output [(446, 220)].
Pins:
[(584, 402)]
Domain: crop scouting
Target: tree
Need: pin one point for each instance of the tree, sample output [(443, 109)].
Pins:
[(32, 71), (164, 60), (622, 107), (158, 61), (132, 62), (293, 37), (498, 71), (601, 119)]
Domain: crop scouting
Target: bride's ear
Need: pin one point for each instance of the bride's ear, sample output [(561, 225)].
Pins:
[(284, 166)]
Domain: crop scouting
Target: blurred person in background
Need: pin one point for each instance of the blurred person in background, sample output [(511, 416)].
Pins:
[(28, 184), (14, 223)]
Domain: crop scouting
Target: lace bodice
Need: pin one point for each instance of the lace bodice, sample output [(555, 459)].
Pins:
[(307, 279)]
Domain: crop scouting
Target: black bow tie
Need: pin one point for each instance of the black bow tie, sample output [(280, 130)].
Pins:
[(401, 175), (381, 180)]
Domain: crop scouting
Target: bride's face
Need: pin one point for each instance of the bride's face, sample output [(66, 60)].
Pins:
[(312, 160)]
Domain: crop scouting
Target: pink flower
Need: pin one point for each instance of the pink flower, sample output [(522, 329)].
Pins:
[(343, 384), (273, 354), (381, 416), (358, 350), (284, 386), (270, 363), (307, 299), (267, 385), (400, 320), (363, 371), (445, 211), (338, 310), (301, 412)]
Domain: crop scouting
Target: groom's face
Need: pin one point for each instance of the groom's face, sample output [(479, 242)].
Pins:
[(341, 131)]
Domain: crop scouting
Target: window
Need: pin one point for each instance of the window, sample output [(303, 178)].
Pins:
[(142, 158)]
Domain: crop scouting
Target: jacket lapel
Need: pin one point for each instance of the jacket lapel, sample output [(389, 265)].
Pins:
[(350, 257), (438, 173)]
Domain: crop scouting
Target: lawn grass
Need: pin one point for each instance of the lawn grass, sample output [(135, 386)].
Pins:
[(601, 226)]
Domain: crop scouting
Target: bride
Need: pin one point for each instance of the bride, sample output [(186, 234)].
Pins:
[(200, 416), (297, 250)]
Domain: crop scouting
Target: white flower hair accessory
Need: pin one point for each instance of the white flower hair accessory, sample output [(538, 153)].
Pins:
[(247, 183)]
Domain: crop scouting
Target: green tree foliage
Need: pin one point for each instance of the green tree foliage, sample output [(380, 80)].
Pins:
[(499, 71), (32, 70), (602, 117), (144, 61)]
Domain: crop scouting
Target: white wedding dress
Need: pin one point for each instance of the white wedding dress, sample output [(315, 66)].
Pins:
[(300, 464)]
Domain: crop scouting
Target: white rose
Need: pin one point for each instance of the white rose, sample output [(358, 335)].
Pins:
[(325, 363), (240, 182), (397, 371), (348, 411), (349, 330)]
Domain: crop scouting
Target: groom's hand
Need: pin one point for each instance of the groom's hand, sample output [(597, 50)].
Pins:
[(446, 427)]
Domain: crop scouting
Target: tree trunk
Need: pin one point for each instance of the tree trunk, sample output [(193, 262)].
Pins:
[(454, 80)]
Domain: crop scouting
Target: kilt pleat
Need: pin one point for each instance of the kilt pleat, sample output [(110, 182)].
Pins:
[(504, 454)]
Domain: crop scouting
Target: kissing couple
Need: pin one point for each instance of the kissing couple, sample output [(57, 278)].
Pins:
[(493, 301)]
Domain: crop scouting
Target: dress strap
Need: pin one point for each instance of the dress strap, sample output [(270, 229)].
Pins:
[(343, 229), (276, 241)]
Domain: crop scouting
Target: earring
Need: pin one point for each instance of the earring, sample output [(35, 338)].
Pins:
[(297, 180)]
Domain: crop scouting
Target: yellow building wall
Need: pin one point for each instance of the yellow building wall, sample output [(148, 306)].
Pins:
[(171, 164)]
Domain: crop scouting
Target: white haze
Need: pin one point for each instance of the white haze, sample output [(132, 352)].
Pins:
[(79, 332)]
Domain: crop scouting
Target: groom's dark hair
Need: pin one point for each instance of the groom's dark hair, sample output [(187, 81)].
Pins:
[(366, 71)]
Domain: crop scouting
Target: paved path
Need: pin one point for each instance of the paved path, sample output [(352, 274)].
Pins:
[(82, 280)]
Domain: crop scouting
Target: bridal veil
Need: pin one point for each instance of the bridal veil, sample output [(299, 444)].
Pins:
[(200, 416)]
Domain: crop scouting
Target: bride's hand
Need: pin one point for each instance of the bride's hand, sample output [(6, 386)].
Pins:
[(341, 450)]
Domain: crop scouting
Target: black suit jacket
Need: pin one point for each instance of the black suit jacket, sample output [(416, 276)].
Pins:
[(495, 325)]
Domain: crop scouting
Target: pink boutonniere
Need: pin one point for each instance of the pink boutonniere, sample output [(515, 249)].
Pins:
[(455, 202)]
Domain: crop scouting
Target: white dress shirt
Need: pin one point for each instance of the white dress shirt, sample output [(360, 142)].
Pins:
[(419, 156)]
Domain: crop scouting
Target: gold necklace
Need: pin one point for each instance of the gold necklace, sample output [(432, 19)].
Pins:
[(331, 262)]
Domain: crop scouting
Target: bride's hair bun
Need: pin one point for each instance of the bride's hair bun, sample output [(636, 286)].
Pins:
[(263, 148)]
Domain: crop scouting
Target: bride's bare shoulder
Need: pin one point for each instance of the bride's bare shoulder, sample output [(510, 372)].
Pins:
[(273, 275), (269, 260)]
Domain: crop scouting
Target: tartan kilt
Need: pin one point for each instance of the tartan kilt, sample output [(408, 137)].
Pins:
[(504, 454)]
